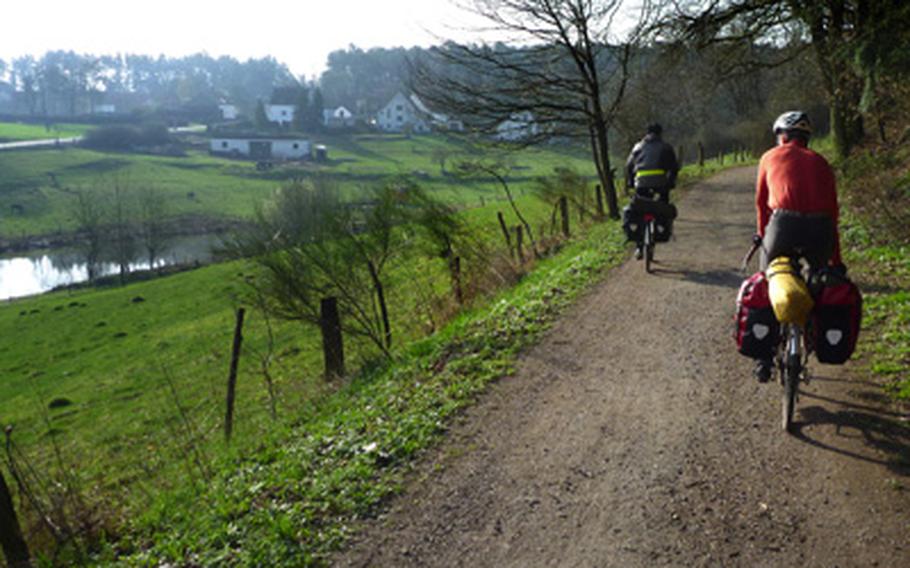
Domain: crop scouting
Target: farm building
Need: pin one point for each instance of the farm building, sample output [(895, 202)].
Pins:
[(261, 147)]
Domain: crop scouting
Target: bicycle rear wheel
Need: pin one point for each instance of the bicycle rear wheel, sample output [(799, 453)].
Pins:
[(792, 370), (649, 245)]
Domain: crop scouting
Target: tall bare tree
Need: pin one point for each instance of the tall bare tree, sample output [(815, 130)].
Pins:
[(564, 73)]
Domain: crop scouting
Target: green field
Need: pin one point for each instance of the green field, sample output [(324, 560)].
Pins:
[(34, 200), (15, 132)]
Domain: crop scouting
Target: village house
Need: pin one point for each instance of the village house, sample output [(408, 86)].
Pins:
[(399, 115), (519, 126), (228, 111), (280, 114), (339, 117), (261, 147)]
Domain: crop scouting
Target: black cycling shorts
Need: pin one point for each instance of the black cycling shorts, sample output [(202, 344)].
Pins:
[(795, 234)]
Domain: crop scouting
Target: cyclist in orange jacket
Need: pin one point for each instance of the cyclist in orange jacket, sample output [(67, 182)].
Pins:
[(796, 203)]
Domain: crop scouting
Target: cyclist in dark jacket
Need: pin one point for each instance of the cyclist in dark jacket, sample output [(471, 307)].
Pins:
[(651, 169), (652, 166)]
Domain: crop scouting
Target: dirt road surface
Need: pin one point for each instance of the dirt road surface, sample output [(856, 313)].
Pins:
[(634, 435)]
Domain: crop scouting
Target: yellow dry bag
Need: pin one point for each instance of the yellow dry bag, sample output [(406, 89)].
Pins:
[(789, 294)]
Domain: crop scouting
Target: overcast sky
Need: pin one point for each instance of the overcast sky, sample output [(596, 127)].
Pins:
[(299, 33)]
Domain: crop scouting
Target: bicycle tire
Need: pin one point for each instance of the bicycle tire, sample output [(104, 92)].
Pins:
[(649, 247), (792, 370)]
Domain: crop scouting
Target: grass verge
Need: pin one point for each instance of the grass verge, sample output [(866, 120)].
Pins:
[(875, 235)]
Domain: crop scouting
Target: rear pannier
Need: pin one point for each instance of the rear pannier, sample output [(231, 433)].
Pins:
[(757, 330), (836, 319)]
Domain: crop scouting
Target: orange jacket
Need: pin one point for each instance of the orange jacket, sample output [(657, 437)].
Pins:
[(793, 177)]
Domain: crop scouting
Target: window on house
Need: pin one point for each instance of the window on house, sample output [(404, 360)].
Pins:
[(224, 144), (400, 118), (284, 113), (399, 108), (296, 145)]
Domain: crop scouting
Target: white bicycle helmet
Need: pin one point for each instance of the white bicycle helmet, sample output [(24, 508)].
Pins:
[(793, 121)]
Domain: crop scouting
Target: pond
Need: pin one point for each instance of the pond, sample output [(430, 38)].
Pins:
[(26, 274)]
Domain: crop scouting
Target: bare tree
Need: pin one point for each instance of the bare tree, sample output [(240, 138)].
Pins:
[(122, 237), (565, 73), (152, 229), (89, 212)]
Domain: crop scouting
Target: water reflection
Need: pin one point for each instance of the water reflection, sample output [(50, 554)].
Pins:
[(39, 272)]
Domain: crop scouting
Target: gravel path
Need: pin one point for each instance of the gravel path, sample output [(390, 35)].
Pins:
[(634, 435)]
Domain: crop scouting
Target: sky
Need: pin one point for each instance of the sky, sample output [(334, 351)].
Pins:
[(299, 33)]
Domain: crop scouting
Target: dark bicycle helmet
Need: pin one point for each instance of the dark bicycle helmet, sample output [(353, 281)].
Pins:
[(793, 122)]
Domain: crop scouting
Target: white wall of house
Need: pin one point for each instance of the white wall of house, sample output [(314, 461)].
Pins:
[(230, 146), (292, 149), (282, 114), (104, 109), (229, 112)]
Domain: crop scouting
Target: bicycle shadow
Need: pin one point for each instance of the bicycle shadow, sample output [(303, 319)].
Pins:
[(876, 430), (722, 278)]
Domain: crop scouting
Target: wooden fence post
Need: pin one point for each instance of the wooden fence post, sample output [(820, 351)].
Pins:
[(564, 213), (599, 195), (332, 341), (720, 157), (14, 547), (232, 374), (519, 238), (456, 279), (701, 155), (505, 232)]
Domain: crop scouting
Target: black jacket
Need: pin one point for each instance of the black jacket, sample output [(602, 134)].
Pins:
[(652, 164)]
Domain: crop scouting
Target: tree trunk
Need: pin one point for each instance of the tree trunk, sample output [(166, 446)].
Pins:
[(599, 196), (505, 232), (14, 546), (383, 309), (564, 214)]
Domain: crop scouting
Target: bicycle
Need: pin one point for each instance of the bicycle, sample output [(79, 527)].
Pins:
[(792, 353)]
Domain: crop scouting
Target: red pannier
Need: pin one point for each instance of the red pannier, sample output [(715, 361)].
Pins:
[(836, 319), (757, 330)]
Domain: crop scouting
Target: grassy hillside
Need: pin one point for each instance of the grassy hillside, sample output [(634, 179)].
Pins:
[(15, 132), (32, 184)]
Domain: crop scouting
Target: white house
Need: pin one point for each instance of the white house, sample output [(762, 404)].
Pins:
[(104, 108), (282, 114), (339, 117), (261, 147), (400, 114), (228, 111), (519, 126)]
